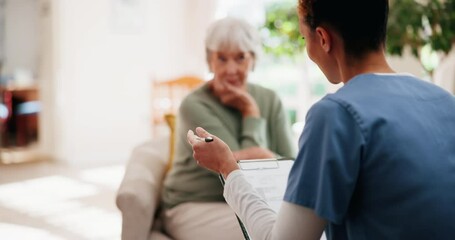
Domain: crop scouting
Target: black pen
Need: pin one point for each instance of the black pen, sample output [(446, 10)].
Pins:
[(207, 139)]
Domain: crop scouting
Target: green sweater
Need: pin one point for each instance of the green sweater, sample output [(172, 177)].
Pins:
[(188, 182)]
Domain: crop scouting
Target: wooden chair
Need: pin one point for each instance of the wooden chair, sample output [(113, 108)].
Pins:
[(167, 96)]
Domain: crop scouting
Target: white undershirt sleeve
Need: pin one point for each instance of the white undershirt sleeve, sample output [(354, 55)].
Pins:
[(292, 222)]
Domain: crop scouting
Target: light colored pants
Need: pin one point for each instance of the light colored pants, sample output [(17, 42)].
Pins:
[(208, 220)]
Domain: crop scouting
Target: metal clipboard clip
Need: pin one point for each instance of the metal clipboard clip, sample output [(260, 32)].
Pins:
[(258, 164)]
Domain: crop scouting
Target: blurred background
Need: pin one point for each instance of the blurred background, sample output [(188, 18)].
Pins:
[(80, 79), (77, 77)]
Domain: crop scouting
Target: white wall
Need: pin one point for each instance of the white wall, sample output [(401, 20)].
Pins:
[(98, 78), (444, 75), (407, 64), (47, 123), (21, 37)]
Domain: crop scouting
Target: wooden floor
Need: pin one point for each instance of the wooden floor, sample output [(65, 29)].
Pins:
[(41, 199)]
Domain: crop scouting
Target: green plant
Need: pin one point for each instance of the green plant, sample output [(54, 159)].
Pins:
[(424, 26), (281, 30)]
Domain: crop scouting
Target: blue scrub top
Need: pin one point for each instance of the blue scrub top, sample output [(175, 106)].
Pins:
[(377, 160)]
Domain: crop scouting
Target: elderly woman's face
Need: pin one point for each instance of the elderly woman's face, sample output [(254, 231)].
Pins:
[(231, 67)]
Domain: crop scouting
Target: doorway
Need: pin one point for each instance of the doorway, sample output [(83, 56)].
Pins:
[(19, 93)]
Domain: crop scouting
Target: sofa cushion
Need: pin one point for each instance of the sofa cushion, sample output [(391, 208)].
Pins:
[(138, 196)]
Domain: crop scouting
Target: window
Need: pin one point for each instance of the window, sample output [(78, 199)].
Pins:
[(297, 80)]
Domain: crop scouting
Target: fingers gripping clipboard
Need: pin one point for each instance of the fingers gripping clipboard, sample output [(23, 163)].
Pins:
[(269, 178)]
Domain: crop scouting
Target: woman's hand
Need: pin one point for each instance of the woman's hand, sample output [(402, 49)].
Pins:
[(214, 155), (235, 97)]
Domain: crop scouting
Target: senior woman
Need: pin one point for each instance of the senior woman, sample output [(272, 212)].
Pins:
[(249, 118)]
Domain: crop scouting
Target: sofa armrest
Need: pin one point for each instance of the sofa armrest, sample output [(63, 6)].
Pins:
[(139, 193)]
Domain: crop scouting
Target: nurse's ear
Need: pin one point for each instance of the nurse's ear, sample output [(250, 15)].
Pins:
[(325, 39)]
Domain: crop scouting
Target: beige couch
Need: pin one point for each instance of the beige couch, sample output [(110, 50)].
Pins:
[(138, 195)]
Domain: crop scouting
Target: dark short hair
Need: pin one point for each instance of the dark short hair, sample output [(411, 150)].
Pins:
[(361, 23)]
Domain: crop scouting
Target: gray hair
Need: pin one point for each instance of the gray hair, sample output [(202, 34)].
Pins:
[(231, 34)]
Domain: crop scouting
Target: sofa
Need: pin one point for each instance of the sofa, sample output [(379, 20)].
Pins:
[(138, 195)]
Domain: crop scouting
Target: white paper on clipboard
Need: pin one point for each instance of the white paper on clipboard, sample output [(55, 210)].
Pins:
[(269, 177)]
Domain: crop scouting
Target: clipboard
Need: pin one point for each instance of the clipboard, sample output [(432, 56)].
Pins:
[(269, 178)]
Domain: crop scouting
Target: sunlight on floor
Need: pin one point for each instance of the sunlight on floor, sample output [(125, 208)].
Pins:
[(81, 205), (11, 231)]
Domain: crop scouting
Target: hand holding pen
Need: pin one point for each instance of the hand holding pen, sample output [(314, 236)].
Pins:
[(215, 156), (206, 139)]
